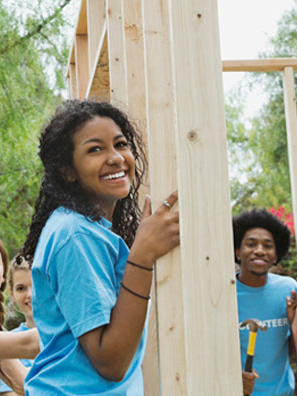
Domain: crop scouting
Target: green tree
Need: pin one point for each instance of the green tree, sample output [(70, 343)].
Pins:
[(264, 172), (33, 56)]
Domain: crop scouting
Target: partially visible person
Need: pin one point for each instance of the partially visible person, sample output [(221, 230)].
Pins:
[(260, 241), (20, 285), (11, 371)]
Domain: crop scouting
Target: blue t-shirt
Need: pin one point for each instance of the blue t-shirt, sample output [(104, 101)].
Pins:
[(26, 362), (271, 359), (76, 273)]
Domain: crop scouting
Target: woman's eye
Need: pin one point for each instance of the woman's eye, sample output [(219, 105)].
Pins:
[(122, 144), (19, 289), (94, 149)]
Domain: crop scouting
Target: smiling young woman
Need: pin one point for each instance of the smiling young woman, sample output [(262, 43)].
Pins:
[(12, 346), (103, 162), (90, 291), (19, 282)]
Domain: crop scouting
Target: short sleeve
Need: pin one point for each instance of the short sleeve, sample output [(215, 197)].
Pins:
[(82, 277)]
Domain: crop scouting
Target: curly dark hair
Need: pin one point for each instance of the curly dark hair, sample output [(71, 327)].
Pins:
[(263, 219), (56, 149)]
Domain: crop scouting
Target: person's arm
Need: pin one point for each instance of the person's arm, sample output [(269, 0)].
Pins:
[(292, 319), (8, 394), (111, 348), (13, 373), (21, 345)]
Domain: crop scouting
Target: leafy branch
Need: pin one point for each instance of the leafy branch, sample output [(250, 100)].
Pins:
[(35, 30)]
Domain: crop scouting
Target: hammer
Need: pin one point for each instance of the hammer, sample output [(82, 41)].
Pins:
[(254, 325)]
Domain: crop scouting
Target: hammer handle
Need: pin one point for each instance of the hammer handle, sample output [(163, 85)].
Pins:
[(250, 352), (249, 363)]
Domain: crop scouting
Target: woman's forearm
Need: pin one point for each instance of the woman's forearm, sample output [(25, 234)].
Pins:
[(13, 373), (22, 345)]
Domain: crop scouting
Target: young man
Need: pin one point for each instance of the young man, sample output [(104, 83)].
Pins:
[(260, 241)]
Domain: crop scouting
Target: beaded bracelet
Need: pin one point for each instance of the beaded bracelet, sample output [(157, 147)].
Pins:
[(133, 292), (139, 266)]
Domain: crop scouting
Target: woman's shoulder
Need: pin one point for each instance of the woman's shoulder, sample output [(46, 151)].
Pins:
[(65, 225), (65, 220)]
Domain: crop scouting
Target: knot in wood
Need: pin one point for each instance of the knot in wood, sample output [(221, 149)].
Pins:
[(192, 136)]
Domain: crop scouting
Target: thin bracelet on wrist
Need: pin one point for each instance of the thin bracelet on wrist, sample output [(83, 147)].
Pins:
[(139, 266), (134, 293)]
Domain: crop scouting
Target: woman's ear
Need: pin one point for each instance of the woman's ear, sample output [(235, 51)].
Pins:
[(237, 254)]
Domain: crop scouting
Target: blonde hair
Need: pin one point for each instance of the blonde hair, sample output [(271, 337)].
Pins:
[(17, 264)]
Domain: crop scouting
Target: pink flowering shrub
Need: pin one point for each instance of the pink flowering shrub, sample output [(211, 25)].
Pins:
[(287, 218)]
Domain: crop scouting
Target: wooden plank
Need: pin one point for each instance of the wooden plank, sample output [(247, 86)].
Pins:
[(82, 64), (136, 100), (291, 122), (95, 22), (71, 58), (259, 65), (72, 81), (160, 117), (79, 29), (135, 62), (99, 84), (82, 26), (150, 365), (208, 281), (117, 54)]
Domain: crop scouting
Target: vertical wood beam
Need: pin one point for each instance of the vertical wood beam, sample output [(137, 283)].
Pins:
[(162, 155), (291, 122), (81, 25), (72, 81), (95, 22), (117, 53), (135, 62), (127, 89), (208, 280), (136, 101), (82, 64)]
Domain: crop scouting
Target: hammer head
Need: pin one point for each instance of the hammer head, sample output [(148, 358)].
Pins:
[(254, 325)]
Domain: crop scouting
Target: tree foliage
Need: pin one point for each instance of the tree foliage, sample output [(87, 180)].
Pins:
[(263, 172), (33, 55)]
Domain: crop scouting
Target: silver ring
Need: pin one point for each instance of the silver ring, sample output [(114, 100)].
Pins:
[(167, 204)]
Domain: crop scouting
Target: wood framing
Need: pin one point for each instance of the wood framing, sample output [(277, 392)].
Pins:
[(287, 66), (159, 60), (208, 279), (163, 180), (291, 122), (95, 16), (259, 65)]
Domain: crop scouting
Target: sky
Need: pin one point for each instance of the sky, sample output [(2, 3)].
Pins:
[(245, 26)]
